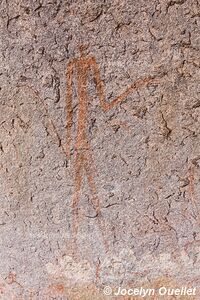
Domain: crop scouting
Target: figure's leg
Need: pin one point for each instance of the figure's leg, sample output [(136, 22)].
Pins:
[(78, 179), (90, 173)]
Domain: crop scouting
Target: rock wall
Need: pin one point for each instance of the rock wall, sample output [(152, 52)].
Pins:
[(99, 147)]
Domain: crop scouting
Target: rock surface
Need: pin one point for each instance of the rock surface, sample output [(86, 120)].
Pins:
[(99, 147)]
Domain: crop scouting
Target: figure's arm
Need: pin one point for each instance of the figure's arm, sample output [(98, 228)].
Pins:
[(100, 88), (137, 84), (99, 85), (121, 97), (69, 108)]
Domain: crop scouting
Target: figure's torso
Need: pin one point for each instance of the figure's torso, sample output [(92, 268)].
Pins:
[(82, 68)]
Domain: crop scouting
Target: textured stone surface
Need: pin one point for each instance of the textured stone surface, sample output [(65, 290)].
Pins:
[(140, 160)]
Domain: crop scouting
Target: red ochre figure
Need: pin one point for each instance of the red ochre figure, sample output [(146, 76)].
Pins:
[(80, 69)]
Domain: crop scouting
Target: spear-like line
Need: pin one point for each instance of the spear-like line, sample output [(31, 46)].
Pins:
[(137, 84), (60, 145)]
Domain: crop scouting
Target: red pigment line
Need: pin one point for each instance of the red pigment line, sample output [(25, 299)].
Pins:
[(192, 191)]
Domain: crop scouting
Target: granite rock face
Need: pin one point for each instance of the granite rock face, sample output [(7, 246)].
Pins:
[(99, 147)]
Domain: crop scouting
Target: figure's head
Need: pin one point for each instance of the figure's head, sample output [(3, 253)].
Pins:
[(82, 49)]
